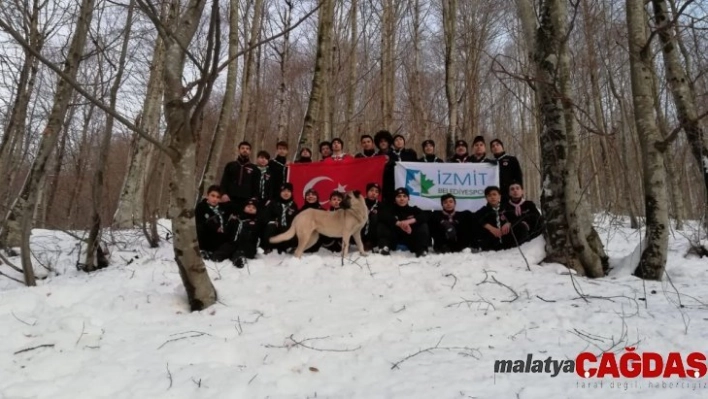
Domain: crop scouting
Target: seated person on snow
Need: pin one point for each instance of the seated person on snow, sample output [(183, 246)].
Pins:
[(335, 204), (451, 229), (524, 216), (245, 229), (369, 231), (496, 232), (279, 217), (403, 225), (211, 218)]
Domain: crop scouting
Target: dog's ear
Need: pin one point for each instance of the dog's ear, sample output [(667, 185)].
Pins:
[(346, 202), (357, 193)]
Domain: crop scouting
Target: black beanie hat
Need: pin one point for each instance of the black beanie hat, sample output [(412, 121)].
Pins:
[(460, 143), (401, 136), (402, 190), (373, 185), (251, 201), (287, 186), (426, 142), (496, 141), (478, 139)]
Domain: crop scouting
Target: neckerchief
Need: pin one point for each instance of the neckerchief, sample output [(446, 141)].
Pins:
[(517, 206)]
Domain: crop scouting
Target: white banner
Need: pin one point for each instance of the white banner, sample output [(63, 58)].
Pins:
[(427, 182)]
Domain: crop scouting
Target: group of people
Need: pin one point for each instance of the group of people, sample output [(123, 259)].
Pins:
[(254, 202)]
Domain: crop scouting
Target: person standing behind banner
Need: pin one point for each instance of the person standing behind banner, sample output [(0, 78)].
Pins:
[(325, 150), (368, 149), (338, 153), (509, 168), (400, 152), (278, 165), (241, 178), (429, 153), (461, 154), (305, 156), (384, 140), (479, 151)]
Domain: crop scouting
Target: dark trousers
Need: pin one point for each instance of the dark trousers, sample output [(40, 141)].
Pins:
[(243, 247), (518, 234), (392, 236), (273, 230)]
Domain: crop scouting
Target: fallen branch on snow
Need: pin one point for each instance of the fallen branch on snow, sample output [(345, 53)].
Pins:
[(466, 351), (33, 348)]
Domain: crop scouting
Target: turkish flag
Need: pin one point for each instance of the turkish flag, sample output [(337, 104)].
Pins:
[(347, 175)]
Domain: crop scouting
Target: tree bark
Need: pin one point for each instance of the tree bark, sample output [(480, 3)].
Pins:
[(449, 10), (353, 68), (324, 32), (388, 68), (94, 258), (653, 259), (284, 55), (682, 93), (28, 199), (247, 77), (226, 115), (130, 205), (570, 237)]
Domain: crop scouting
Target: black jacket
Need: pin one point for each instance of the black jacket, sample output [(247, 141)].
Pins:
[(281, 213), (430, 158), (462, 222), (267, 187), (241, 179), (528, 213), (209, 220), (482, 159), (493, 216), (395, 213), (460, 158), (308, 205), (509, 171), (367, 154), (278, 171), (404, 155)]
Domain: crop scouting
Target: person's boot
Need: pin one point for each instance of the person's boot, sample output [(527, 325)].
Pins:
[(385, 251), (239, 262)]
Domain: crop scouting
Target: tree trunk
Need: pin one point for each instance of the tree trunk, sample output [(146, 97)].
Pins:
[(28, 199), (449, 10), (324, 32), (226, 115), (130, 205), (388, 67), (247, 77), (284, 55), (653, 258), (181, 119), (682, 93), (570, 237), (93, 255), (353, 68)]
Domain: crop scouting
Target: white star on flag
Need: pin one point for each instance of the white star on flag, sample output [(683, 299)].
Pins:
[(341, 188)]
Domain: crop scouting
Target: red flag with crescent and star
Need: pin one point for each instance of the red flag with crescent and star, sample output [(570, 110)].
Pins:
[(344, 176)]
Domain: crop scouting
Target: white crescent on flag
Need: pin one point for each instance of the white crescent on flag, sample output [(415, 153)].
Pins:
[(311, 184)]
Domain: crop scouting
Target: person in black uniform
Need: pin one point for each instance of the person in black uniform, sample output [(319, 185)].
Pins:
[(479, 151), (496, 231), (278, 165), (334, 244), (429, 153), (211, 218), (402, 224), (305, 156), (312, 201), (449, 228), (369, 231), (384, 141), (267, 189), (509, 168), (325, 150), (280, 215), (244, 230), (368, 149), (524, 216), (461, 154), (400, 152), (241, 178)]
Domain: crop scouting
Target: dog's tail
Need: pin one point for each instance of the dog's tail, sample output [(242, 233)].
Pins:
[(284, 236)]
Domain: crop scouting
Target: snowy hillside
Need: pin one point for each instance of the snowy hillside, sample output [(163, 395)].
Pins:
[(378, 327)]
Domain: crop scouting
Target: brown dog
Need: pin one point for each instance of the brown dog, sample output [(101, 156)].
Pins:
[(346, 222)]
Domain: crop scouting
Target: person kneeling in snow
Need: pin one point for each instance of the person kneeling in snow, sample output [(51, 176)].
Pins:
[(524, 216), (211, 218), (403, 224), (496, 231), (280, 215), (450, 228), (244, 230)]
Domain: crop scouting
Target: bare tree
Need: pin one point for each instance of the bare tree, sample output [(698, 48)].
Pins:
[(283, 57), (653, 258), (95, 257), (324, 37), (449, 8), (388, 66), (570, 237)]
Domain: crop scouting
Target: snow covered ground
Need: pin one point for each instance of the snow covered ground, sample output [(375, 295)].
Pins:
[(378, 327)]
